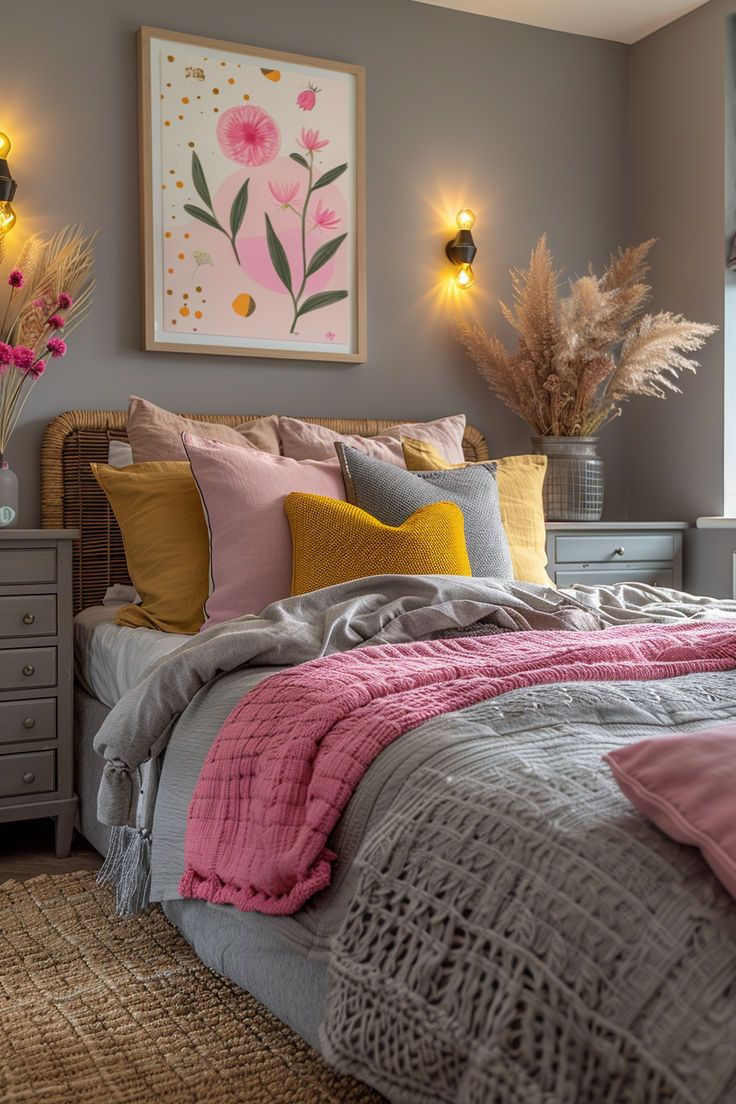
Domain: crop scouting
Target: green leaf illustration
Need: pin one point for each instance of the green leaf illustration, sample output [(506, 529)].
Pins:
[(199, 181), (321, 299), (237, 211), (299, 159), (279, 260), (329, 176), (203, 216), (323, 254)]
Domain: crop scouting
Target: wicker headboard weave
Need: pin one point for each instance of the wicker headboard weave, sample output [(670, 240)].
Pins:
[(71, 496)]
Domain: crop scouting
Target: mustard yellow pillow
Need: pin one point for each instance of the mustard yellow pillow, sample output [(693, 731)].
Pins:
[(159, 511), (520, 480), (334, 542)]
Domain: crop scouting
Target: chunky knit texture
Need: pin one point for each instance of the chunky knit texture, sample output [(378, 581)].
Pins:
[(290, 755)]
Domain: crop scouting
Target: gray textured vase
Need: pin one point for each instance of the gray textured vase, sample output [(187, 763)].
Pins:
[(573, 486), (8, 497)]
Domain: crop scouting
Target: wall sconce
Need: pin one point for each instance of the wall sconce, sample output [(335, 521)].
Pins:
[(7, 187), (461, 250)]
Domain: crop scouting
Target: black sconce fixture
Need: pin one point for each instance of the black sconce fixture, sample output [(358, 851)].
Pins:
[(7, 187), (461, 250)]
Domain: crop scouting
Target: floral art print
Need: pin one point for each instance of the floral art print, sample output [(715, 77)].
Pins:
[(251, 196)]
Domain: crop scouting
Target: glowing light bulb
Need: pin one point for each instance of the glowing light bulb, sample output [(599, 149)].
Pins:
[(7, 217), (465, 219), (464, 277), (4, 146)]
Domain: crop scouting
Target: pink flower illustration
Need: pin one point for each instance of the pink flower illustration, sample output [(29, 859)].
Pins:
[(310, 140), (308, 98), (248, 135), (37, 370), (15, 278), (56, 322), (283, 192), (55, 346), (23, 358), (323, 218), (65, 301)]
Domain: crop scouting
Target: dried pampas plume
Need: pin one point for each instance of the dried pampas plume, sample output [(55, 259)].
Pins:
[(578, 358)]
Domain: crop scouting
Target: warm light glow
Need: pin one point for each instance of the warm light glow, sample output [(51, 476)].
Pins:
[(4, 146), (7, 217), (464, 276), (465, 219)]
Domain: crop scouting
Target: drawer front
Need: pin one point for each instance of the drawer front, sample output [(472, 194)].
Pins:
[(30, 773), (27, 565), (613, 547), (24, 668), (654, 576), (33, 719), (31, 615)]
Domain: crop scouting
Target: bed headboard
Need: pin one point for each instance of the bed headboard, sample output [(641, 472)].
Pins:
[(71, 496)]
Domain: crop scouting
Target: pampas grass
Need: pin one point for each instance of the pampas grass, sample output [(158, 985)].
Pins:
[(578, 358)]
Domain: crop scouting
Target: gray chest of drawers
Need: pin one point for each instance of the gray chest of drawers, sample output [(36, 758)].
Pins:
[(36, 672), (600, 553)]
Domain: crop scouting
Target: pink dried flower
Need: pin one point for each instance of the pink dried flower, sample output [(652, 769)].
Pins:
[(56, 322), (308, 98), (15, 278), (283, 192), (23, 358), (6, 353), (325, 219), (248, 135), (40, 303), (65, 301), (310, 140), (37, 370), (56, 346)]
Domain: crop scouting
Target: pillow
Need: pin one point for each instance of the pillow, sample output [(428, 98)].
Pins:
[(306, 441), (165, 537), (520, 480), (243, 492), (155, 433), (686, 785), (392, 495), (119, 454), (336, 541)]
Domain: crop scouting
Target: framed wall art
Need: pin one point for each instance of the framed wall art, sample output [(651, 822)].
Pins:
[(251, 166)]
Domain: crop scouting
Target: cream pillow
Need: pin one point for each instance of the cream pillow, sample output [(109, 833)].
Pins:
[(155, 433)]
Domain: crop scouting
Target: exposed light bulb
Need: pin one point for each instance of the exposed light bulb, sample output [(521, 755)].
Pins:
[(4, 146), (465, 219), (7, 217), (464, 277)]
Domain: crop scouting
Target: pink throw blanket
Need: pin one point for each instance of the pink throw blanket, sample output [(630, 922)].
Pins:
[(291, 753)]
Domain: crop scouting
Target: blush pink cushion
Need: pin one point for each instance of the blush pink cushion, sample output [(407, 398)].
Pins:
[(243, 492), (306, 441), (686, 785)]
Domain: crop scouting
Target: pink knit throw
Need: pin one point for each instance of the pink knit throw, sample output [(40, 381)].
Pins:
[(291, 753)]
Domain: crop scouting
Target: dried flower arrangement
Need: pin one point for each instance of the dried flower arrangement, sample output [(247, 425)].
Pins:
[(578, 358), (51, 290)]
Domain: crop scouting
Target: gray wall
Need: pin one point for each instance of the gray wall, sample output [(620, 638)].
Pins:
[(528, 127), (682, 154)]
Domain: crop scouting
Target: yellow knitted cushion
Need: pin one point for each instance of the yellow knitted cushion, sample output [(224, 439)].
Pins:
[(335, 541), (520, 480)]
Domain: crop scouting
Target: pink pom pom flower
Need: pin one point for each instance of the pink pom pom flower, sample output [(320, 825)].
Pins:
[(56, 347), (65, 301), (6, 353), (23, 358), (15, 278), (248, 135), (56, 322), (37, 370)]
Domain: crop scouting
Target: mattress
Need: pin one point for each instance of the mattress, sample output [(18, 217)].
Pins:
[(109, 659)]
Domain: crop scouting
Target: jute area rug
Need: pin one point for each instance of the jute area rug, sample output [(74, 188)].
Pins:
[(97, 1010)]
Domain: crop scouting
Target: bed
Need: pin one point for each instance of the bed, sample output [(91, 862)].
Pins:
[(498, 923)]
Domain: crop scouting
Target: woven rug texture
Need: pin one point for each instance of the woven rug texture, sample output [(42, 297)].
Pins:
[(99, 1010)]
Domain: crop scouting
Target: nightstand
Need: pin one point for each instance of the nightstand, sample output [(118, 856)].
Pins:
[(36, 672), (600, 553)]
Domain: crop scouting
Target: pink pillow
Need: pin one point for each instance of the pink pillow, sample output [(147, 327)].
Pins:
[(243, 492), (155, 433), (307, 441), (686, 785)]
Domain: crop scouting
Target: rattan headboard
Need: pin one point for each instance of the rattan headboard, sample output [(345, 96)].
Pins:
[(71, 496)]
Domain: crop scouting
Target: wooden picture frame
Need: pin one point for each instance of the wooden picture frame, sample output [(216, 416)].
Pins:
[(252, 183)]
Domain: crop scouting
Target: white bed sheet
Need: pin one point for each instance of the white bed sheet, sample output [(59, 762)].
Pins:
[(110, 658)]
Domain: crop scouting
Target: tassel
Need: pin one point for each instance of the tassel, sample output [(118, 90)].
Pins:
[(128, 868)]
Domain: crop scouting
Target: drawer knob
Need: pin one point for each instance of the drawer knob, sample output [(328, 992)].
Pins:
[(29, 776), (620, 551), (28, 619), (29, 722), (29, 669)]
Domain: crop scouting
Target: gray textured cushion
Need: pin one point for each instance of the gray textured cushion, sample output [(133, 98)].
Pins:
[(392, 494)]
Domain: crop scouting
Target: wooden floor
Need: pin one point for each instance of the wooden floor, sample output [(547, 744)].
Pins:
[(27, 849)]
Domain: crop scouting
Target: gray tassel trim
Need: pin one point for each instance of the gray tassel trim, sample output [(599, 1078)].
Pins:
[(128, 868)]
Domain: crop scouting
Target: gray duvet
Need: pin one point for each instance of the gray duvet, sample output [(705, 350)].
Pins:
[(497, 906)]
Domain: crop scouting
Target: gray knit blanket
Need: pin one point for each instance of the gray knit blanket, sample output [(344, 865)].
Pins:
[(520, 935)]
